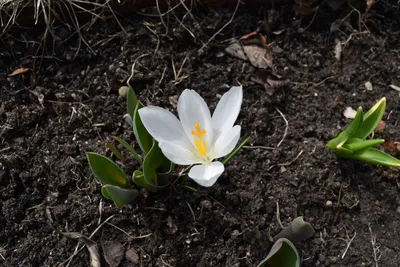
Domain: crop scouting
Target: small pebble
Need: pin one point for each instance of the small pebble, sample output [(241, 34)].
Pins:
[(368, 86), (329, 203), (123, 91)]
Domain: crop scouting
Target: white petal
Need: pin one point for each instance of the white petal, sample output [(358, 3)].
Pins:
[(163, 125), (226, 142), (193, 109), (227, 110), (178, 154), (206, 175)]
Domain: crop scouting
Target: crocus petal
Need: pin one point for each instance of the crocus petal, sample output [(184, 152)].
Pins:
[(163, 125), (226, 142), (227, 110), (178, 154), (207, 174), (192, 109)]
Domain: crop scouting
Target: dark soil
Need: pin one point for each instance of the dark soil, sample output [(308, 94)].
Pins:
[(47, 187)]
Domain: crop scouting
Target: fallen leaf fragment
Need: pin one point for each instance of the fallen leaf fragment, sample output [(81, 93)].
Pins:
[(91, 246), (271, 82), (132, 256), (381, 126), (236, 50), (113, 252), (19, 71), (257, 50), (392, 146)]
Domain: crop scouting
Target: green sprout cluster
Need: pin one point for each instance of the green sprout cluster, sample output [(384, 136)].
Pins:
[(352, 142)]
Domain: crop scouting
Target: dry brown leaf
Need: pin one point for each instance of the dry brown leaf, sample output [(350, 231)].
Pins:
[(271, 82), (132, 256), (19, 71), (392, 146), (236, 50), (381, 126), (257, 50), (258, 56), (113, 252)]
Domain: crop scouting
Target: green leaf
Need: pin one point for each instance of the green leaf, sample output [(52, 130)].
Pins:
[(374, 156), (189, 188), (371, 119), (105, 193), (139, 180), (106, 170), (355, 144), (132, 102), (282, 254), (155, 162), (143, 138), (125, 144), (338, 142), (115, 151), (119, 195), (297, 231), (235, 151)]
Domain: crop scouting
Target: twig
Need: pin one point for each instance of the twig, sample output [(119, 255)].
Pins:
[(133, 67), (194, 216), (375, 247), (278, 216), (348, 244), (286, 129), (222, 28), (259, 147)]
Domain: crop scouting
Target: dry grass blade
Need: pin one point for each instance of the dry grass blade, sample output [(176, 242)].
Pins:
[(92, 247)]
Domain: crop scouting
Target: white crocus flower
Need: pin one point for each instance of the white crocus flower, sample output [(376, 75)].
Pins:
[(197, 139)]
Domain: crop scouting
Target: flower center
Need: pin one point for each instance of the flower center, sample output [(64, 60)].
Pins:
[(198, 140)]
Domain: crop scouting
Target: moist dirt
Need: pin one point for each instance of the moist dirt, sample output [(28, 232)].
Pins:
[(68, 104)]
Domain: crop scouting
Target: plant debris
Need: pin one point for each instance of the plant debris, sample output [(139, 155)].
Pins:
[(271, 82)]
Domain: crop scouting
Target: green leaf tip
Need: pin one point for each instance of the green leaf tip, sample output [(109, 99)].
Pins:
[(106, 170), (282, 254)]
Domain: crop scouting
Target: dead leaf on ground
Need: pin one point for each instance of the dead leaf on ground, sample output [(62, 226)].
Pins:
[(132, 256), (381, 126), (91, 246), (257, 50), (19, 71), (236, 50), (271, 82), (392, 146), (113, 252)]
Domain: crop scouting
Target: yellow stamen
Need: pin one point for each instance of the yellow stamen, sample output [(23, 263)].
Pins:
[(199, 141)]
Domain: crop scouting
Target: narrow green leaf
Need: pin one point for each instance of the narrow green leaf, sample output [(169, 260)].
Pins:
[(139, 180), (132, 102), (355, 144), (115, 151), (106, 170), (371, 119), (282, 254), (297, 231), (189, 188), (155, 162), (143, 138), (337, 142), (235, 151), (131, 150), (375, 156), (119, 195)]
